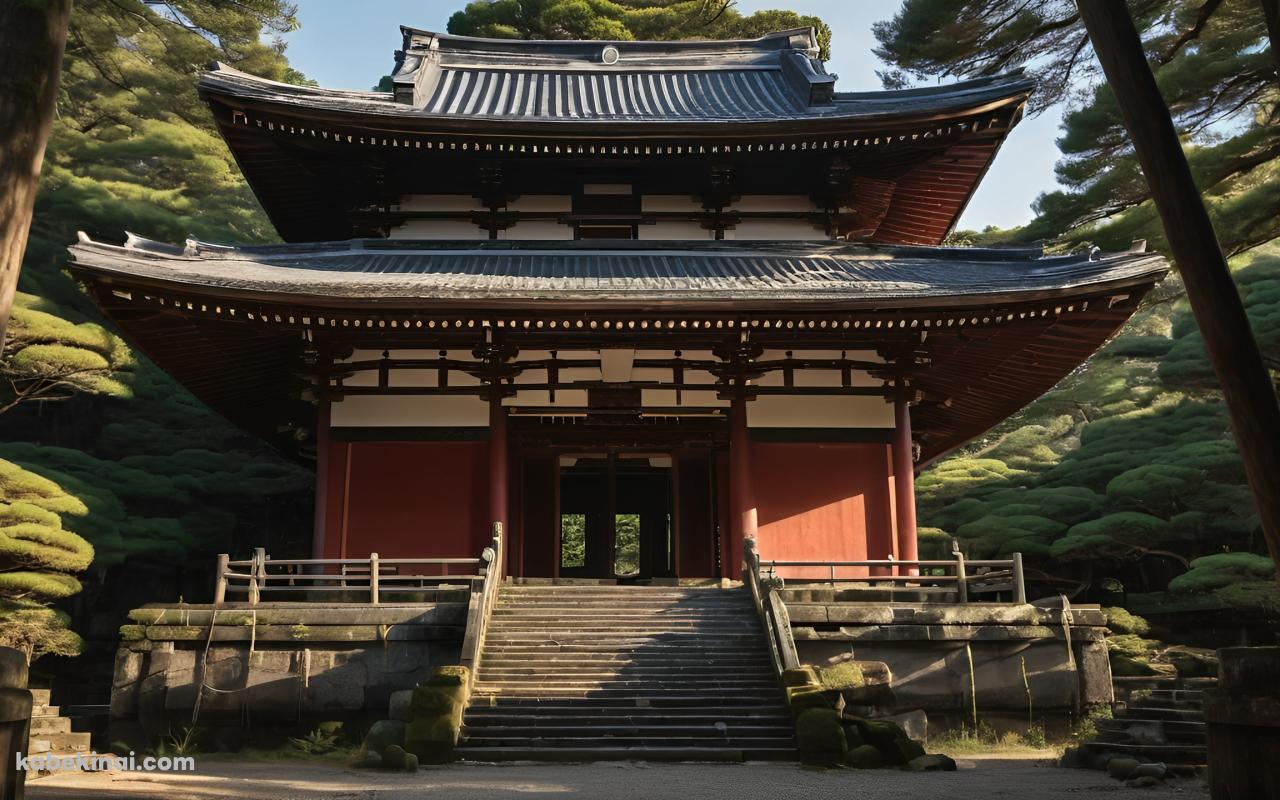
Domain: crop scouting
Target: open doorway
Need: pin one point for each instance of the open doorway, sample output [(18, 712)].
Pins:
[(615, 516)]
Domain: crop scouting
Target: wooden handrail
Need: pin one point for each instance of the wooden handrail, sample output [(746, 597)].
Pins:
[(484, 593), (772, 612), (379, 575), (1000, 575)]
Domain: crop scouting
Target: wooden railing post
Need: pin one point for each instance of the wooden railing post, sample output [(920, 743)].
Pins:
[(962, 579), (220, 580), (374, 571), (256, 572), (1019, 585)]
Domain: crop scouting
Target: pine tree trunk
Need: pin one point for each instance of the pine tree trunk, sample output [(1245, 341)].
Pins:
[(32, 36), (1271, 9), (1215, 301)]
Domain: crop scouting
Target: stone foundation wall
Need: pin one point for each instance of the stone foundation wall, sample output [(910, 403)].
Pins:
[(275, 664), (927, 649)]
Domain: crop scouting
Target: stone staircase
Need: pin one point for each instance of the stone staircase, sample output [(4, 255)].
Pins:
[(50, 732), (625, 672), (1162, 724)]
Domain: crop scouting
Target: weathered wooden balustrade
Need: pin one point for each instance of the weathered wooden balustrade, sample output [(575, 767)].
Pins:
[(301, 578), (961, 580), (484, 593), (772, 611)]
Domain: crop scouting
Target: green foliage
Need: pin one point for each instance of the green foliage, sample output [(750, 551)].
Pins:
[(319, 741), (1216, 73), (95, 440), (845, 675), (626, 20), (37, 630), (1121, 621), (1242, 580)]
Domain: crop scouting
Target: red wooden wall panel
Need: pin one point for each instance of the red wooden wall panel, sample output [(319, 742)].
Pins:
[(816, 502), (407, 499)]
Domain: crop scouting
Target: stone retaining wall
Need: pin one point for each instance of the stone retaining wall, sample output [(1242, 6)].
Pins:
[(275, 664), (928, 647)]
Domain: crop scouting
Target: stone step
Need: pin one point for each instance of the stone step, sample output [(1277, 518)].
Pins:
[(647, 672), (1166, 753), (649, 697), (613, 753), (41, 697), (559, 714), (656, 740), (613, 620), (1156, 712), (622, 639), (549, 658), (66, 742), (561, 728), (639, 650), (46, 724), (38, 710), (571, 683)]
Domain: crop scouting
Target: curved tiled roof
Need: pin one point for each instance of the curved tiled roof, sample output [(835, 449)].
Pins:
[(587, 272), (775, 77)]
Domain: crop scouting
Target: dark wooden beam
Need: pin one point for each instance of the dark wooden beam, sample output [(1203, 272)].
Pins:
[(1215, 301)]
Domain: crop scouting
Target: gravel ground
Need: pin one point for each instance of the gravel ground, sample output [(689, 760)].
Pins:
[(991, 778)]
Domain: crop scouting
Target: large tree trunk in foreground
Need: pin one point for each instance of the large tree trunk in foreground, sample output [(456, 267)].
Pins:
[(1271, 9), (32, 36), (1233, 352)]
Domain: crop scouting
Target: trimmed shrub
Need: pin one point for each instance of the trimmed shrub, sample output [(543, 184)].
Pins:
[(864, 757), (820, 736), (880, 732)]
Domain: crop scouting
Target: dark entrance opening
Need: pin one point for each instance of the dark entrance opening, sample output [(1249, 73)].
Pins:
[(615, 517)]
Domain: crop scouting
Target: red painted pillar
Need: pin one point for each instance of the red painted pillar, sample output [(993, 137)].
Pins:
[(497, 466), (904, 483), (323, 459), (742, 498)]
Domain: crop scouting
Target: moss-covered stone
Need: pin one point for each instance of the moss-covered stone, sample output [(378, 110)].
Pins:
[(433, 701), (879, 732), (133, 633), (864, 756), (803, 698), (432, 739), (846, 675), (820, 736), (447, 676), (800, 676), (410, 763), (901, 751), (393, 757)]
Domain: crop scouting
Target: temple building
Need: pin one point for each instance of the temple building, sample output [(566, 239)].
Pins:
[(639, 302), (688, 281)]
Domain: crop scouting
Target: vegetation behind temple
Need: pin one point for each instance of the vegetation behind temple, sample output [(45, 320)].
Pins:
[(1125, 476), (103, 456)]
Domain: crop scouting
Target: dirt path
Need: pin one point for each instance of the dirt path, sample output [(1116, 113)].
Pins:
[(215, 779)]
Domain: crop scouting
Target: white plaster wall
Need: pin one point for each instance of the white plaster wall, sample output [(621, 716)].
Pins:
[(675, 229), (439, 229), (538, 229), (408, 412), (835, 411), (774, 229), (669, 202)]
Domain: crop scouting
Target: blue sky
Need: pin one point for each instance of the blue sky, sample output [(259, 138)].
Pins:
[(349, 45)]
